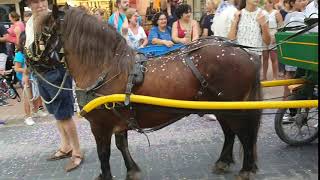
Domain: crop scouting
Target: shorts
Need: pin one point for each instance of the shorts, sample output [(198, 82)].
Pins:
[(62, 107)]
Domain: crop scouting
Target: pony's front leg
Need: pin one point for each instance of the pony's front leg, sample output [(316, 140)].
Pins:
[(133, 171), (103, 142)]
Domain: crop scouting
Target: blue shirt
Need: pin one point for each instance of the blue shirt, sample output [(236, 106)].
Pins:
[(156, 33), (121, 19), (19, 58)]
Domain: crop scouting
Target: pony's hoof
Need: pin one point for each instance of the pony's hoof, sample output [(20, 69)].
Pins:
[(134, 175), (220, 167), (245, 175), (100, 177)]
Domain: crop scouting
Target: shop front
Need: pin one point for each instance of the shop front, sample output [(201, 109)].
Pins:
[(107, 5)]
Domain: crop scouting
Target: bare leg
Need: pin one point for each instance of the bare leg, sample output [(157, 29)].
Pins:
[(70, 129), (275, 65), (26, 101), (265, 64), (64, 140), (133, 171)]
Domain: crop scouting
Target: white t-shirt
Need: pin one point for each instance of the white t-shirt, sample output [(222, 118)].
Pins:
[(311, 11), (222, 22), (249, 30), (134, 39)]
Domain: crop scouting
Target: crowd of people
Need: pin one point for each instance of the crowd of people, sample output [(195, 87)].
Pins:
[(248, 22)]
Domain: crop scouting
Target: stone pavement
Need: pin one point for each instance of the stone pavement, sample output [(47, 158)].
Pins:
[(184, 150)]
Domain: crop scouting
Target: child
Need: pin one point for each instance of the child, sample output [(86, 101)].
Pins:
[(20, 68)]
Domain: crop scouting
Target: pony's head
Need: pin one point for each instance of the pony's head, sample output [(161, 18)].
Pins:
[(48, 40)]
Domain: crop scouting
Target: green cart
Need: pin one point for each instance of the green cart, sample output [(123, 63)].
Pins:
[(299, 126)]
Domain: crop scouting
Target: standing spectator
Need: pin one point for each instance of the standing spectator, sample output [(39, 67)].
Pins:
[(136, 38), (3, 57), (311, 11), (150, 12), (252, 28), (62, 106), (295, 17), (118, 19), (171, 11), (160, 33), (20, 68), (26, 16), (275, 20), (185, 29), (304, 4), (286, 9), (208, 18), (99, 13), (223, 17), (16, 28)]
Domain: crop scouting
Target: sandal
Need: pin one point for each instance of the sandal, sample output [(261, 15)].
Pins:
[(71, 165), (63, 155)]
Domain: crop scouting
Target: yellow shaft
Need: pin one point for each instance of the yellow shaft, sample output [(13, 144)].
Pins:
[(198, 104), (282, 82)]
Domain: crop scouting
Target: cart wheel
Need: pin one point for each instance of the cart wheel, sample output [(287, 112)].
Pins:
[(297, 126)]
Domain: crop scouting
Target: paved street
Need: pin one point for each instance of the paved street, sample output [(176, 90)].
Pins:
[(184, 150)]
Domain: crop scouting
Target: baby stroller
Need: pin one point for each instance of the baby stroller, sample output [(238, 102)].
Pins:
[(7, 90)]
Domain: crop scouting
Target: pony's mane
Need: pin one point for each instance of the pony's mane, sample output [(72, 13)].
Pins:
[(94, 42)]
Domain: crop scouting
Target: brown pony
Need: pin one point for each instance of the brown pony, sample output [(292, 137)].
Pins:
[(93, 48)]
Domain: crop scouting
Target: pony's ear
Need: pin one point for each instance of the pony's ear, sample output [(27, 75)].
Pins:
[(55, 11), (66, 6)]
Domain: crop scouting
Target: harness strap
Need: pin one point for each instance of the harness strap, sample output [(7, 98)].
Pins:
[(135, 76), (203, 82), (196, 72), (101, 79)]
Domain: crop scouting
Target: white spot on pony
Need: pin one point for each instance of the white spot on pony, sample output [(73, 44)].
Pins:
[(232, 54), (163, 69), (222, 55)]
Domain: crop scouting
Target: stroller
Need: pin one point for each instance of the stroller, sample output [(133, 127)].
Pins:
[(7, 89), (8, 79)]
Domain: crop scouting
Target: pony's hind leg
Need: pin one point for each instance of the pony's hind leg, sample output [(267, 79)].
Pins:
[(248, 139), (133, 171), (226, 157)]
